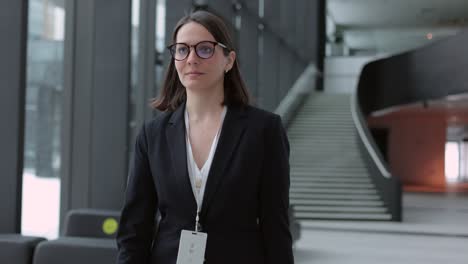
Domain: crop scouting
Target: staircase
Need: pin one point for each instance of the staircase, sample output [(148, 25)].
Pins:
[(329, 179)]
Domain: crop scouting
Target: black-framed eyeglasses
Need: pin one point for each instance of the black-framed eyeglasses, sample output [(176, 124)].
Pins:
[(204, 49)]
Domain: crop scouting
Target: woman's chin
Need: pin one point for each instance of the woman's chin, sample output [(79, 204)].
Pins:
[(195, 85)]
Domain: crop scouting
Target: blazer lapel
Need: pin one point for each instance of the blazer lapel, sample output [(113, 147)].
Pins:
[(231, 133), (175, 135)]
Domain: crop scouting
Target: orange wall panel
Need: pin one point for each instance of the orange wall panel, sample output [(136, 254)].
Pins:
[(416, 150), (416, 145)]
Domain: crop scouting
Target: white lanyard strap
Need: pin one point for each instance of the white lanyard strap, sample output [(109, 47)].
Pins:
[(199, 176)]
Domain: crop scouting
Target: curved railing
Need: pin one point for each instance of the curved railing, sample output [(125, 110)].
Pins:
[(435, 71), (389, 187)]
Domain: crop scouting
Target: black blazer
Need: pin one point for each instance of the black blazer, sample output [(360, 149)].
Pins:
[(246, 200)]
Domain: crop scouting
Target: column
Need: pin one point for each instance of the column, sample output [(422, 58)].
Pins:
[(96, 94), (13, 32), (248, 50)]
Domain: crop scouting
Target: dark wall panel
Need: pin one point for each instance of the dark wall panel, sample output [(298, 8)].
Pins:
[(287, 22), (97, 81), (175, 10), (285, 69), (110, 102), (269, 72), (428, 73), (272, 14), (223, 8), (248, 51), (13, 32), (316, 36)]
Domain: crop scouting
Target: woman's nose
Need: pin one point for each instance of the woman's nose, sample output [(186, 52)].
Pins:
[(192, 56)]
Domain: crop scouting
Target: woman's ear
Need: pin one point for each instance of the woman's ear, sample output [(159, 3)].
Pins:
[(231, 59)]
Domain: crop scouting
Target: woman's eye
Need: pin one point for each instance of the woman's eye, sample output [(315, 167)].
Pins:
[(182, 50), (205, 49)]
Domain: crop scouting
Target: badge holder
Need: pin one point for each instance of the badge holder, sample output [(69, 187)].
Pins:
[(192, 245)]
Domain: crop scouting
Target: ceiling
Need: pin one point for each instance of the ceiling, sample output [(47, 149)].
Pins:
[(392, 26)]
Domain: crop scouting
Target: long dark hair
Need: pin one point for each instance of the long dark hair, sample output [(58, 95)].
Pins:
[(173, 92)]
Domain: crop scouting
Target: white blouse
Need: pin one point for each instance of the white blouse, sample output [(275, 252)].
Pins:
[(198, 177)]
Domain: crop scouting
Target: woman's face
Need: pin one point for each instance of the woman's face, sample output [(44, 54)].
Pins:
[(196, 73)]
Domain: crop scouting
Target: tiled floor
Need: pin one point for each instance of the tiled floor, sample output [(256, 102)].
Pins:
[(434, 230)]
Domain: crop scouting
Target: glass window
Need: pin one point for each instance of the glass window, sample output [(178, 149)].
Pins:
[(160, 46), (41, 183), (135, 31), (160, 25), (140, 93), (452, 161)]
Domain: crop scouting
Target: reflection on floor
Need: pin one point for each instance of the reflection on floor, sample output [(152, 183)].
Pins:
[(434, 230)]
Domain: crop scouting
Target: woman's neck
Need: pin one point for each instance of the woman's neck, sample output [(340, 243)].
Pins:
[(204, 105)]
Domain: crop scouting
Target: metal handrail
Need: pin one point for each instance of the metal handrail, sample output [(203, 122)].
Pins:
[(383, 170)]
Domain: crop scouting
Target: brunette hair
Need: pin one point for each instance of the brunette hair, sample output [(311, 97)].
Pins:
[(173, 92)]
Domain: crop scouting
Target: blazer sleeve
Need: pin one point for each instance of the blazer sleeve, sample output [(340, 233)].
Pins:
[(137, 221), (274, 195)]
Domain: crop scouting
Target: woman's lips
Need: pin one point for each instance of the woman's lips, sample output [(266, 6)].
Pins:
[(194, 74)]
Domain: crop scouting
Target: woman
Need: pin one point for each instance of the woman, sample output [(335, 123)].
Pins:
[(210, 163)]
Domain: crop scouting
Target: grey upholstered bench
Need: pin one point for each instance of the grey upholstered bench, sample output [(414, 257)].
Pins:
[(76, 250), (95, 223), (17, 249)]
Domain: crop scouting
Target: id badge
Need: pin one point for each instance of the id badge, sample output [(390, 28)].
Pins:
[(192, 247)]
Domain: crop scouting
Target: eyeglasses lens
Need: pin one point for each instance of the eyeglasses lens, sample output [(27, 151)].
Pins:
[(181, 51)]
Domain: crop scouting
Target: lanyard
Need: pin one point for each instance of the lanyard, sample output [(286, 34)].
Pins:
[(199, 176)]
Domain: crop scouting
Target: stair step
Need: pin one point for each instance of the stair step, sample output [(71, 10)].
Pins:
[(315, 158), (332, 139), (336, 196), (332, 185), (339, 209), (318, 130), (327, 119), (323, 155), (323, 138), (320, 127), (308, 172), (322, 162), (318, 134), (343, 158), (305, 167), (311, 166), (331, 106), (371, 203), (326, 143), (329, 177), (329, 191), (302, 157), (315, 144), (329, 173), (337, 216), (339, 169), (301, 180)]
